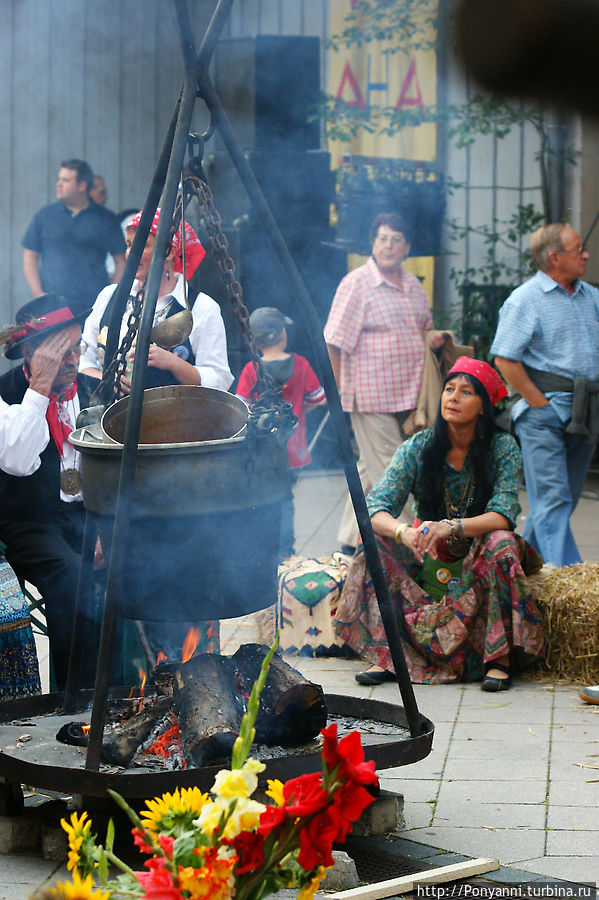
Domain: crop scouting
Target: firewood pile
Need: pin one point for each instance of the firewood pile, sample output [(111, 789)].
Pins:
[(194, 717)]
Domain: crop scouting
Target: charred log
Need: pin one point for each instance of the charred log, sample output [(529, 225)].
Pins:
[(119, 747), (208, 707), (292, 709)]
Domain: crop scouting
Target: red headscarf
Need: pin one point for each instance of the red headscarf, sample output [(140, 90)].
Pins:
[(194, 251), (486, 374)]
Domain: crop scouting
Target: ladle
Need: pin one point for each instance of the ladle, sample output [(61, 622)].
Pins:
[(173, 331)]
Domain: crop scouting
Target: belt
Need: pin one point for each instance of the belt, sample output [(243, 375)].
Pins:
[(585, 400)]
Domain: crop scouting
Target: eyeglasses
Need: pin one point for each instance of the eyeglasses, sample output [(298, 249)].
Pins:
[(391, 239), (77, 349), (578, 250)]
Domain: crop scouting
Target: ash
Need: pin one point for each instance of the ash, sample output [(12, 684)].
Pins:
[(367, 726), (345, 724)]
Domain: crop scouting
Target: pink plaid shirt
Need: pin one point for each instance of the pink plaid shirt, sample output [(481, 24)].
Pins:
[(379, 329)]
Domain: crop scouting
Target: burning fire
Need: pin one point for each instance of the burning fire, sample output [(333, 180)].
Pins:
[(85, 729), (192, 639), (162, 657), (142, 689)]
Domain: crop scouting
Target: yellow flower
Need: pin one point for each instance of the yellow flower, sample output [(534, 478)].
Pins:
[(245, 816), (238, 782), (275, 791), (79, 889), (170, 810), (307, 892), (77, 830)]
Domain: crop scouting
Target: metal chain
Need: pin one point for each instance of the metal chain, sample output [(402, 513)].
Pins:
[(270, 414), (118, 366)]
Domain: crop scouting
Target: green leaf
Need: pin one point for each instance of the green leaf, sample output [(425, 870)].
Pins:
[(110, 836), (247, 732)]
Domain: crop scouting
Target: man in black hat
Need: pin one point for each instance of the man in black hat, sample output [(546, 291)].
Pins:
[(41, 510)]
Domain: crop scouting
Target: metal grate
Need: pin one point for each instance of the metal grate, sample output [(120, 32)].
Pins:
[(375, 864)]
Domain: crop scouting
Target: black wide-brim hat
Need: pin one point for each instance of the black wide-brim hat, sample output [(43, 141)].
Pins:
[(34, 313)]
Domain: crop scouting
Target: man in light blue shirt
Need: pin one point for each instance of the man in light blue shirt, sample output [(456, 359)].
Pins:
[(548, 335)]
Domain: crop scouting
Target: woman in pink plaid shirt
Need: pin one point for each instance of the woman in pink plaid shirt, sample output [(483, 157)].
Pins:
[(375, 333)]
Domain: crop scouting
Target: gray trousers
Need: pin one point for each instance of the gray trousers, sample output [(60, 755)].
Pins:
[(378, 435)]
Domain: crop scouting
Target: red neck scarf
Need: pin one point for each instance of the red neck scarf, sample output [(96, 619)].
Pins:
[(57, 414)]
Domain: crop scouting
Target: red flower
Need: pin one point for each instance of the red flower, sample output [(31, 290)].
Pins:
[(271, 818), (317, 838), (329, 749), (158, 883), (304, 795), (140, 840), (248, 846), (350, 801), (166, 843), (348, 753)]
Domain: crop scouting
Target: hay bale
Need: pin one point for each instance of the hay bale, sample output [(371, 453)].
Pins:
[(568, 603)]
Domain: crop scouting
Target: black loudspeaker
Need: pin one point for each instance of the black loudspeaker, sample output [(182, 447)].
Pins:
[(269, 86), (368, 187), (298, 186), (319, 262)]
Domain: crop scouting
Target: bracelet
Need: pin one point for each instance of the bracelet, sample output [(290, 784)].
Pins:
[(460, 525), (399, 532), (452, 525)]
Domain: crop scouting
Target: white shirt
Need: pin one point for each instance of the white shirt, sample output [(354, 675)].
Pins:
[(208, 338), (24, 433), (24, 436)]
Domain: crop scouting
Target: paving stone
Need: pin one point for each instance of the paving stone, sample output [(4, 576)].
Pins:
[(418, 790), (54, 842), (571, 817), (507, 713), (342, 876), (489, 815), (572, 843), (576, 751), (570, 868), (506, 845), (20, 834), (495, 750), (498, 770), (583, 732), (560, 794), (519, 792), (528, 735), (417, 815), (505, 875), (382, 816), (572, 772)]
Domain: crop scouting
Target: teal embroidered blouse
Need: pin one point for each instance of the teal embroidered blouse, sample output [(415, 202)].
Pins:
[(404, 475)]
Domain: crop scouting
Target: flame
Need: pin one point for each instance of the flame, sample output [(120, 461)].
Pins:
[(162, 657), (85, 729), (142, 678), (192, 639)]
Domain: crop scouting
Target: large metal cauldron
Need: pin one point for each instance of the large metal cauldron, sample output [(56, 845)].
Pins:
[(205, 512)]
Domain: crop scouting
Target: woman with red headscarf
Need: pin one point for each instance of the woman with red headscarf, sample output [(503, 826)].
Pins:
[(455, 577), (202, 357)]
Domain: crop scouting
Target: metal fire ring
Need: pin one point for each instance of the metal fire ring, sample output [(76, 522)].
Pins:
[(26, 764)]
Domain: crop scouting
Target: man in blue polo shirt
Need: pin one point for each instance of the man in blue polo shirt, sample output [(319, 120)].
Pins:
[(66, 242), (547, 348)]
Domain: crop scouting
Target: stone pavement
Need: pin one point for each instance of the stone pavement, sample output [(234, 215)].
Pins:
[(513, 776)]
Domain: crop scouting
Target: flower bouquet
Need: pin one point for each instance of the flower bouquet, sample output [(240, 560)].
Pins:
[(225, 844)]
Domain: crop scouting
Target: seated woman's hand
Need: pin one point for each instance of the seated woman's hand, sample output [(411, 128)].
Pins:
[(426, 537)]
